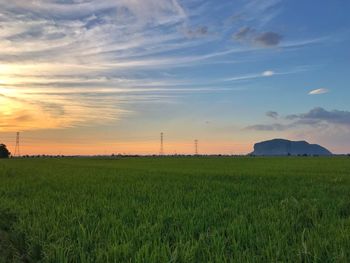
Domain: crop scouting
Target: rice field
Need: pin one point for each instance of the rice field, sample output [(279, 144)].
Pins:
[(175, 209)]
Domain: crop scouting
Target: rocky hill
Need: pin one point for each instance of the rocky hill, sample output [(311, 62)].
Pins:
[(281, 147)]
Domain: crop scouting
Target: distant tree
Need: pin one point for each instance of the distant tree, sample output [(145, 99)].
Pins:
[(4, 153)]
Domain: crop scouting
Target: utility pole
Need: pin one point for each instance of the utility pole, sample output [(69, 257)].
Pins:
[(161, 152), (196, 147), (17, 151)]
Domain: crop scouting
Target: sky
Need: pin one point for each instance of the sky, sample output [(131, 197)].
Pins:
[(108, 76)]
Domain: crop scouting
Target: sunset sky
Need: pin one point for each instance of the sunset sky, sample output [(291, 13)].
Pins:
[(108, 76)]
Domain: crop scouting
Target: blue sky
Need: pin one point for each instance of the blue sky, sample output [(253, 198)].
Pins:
[(87, 76)]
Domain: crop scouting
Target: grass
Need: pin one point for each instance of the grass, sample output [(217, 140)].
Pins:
[(175, 210)]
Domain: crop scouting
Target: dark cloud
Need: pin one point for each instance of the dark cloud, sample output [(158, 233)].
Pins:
[(268, 39), (197, 32), (316, 118), (272, 114), (243, 33), (319, 114), (250, 35)]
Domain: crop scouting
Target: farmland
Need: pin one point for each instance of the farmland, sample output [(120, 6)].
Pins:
[(175, 209)]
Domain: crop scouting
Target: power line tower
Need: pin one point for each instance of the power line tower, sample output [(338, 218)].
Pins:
[(196, 147), (161, 152), (17, 151)]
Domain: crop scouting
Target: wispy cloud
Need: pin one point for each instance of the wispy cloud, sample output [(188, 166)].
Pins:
[(243, 33), (268, 127), (265, 74), (57, 56), (318, 91), (260, 12), (268, 73)]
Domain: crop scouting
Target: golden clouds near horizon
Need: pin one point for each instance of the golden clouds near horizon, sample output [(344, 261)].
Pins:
[(41, 96), (23, 112), (18, 114)]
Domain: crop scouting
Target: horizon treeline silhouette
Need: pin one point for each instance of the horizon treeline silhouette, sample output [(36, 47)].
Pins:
[(4, 152)]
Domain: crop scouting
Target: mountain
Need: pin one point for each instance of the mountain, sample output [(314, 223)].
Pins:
[(281, 147)]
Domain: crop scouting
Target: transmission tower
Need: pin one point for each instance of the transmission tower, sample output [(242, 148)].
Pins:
[(17, 151), (161, 152), (196, 147)]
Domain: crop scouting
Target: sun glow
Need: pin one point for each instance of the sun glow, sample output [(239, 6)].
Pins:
[(7, 91), (7, 69), (8, 74), (7, 81)]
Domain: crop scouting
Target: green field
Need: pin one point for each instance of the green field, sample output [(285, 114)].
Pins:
[(175, 210)]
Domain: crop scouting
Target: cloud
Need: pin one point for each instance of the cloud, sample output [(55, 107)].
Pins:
[(268, 73), (272, 114), (315, 118), (144, 11), (318, 91), (80, 61), (318, 115), (243, 33), (200, 31), (36, 111), (267, 127), (268, 39), (264, 39), (94, 45), (259, 12)]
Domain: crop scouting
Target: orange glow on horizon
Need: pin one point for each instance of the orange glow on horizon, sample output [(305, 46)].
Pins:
[(141, 148)]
